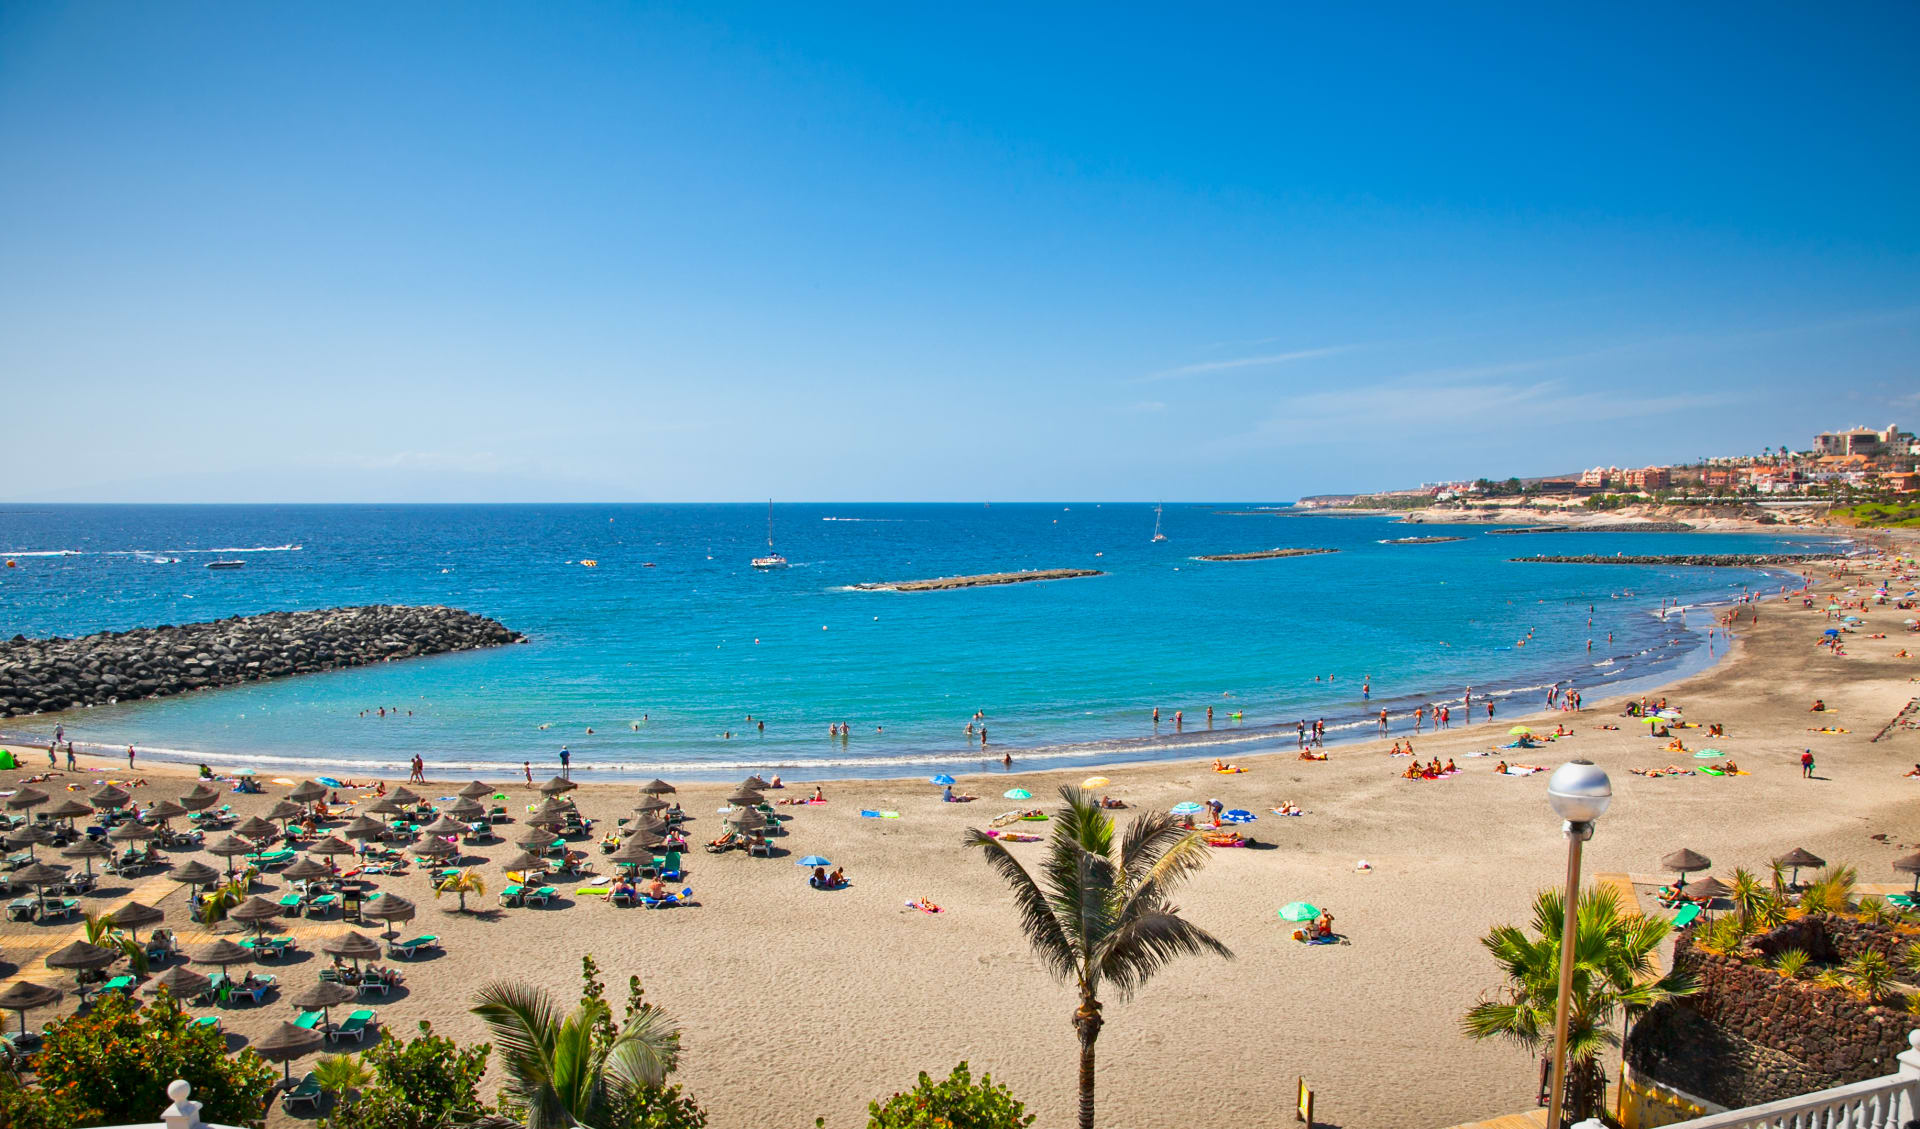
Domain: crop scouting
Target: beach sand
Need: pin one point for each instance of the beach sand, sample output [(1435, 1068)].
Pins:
[(797, 1003)]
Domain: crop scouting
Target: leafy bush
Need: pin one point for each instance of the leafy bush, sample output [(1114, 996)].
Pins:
[(1791, 963), (427, 1082), (117, 1060), (956, 1102), (1869, 974), (1831, 892), (1722, 934)]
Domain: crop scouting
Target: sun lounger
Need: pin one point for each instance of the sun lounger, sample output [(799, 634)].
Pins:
[(293, 901), (670, 866), (160, 946), (408, 948), (306, 1092), (60, 907), (121, 983), (319, 906), (512, 895), (269, 947), (668, 900), (212, 1021), (1686, 915), (257, 990), (543, 895), (312, 1021), (21, 909), (356, 1025)]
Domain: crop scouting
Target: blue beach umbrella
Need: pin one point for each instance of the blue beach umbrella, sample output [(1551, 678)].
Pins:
[(1831, 631), (1299, 911), (1241, 815), (814, 860), (1018, 794), (943, 779)]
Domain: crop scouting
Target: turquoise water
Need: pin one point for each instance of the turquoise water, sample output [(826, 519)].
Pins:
[(662, 661)]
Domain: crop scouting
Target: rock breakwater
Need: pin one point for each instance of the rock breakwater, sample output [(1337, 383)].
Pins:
[(1602, 527), (1713, 560), (983, 580), (40, 675), (1265, 555)]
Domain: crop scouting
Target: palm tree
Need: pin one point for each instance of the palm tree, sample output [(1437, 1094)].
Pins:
[(341, 1075), (1615, 957), (464, 883), (561, 1069), (101, 931), (1099, 912)]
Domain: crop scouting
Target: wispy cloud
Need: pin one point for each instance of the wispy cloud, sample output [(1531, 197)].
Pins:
[(1261, 361)]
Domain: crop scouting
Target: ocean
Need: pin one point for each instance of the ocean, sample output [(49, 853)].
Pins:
[(671, 642)]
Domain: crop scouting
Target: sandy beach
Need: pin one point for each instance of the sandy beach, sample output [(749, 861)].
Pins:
[(796, 1003)]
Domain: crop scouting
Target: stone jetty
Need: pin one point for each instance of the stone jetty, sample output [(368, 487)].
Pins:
[(985, 579), (1602, 527), (1419, 540), (39, 675), (1713, 560), (1265, 555)]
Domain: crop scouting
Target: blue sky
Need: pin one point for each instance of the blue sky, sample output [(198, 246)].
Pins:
[(263, 251)]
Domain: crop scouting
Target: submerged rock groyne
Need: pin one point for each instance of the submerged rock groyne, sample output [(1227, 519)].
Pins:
[(1265, 555), (1716, 560), (39, 675), (983, 580), (1602, 527)]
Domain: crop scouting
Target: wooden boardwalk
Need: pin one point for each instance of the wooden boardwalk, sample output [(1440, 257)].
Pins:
[(1532, 1119)]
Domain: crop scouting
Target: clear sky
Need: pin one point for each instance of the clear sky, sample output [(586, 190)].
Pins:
[(473, 251)]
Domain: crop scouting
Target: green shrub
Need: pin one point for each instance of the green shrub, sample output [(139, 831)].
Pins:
[(427, 1082), (117, 1060), (957, 1102), (1869, 974), (1791, 963)]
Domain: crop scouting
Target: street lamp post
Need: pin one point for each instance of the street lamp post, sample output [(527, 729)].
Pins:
[(1579, 792)]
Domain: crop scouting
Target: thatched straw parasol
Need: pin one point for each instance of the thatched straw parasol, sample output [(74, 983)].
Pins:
[(552, 805), (135, 915), (40, 875), (432, 847), (476, 790), (385, 806), (165, 810), (256, 912), (82, 957), (331, 845), (364, 827), (524, 861), (229, 847), (307, 791), (405, 795), (26, 798), (657, 787), (637, 850), (1684, 860), (536, 839), (465, 810), (223, 953), (388, 908), (257, 829), (29, 837), (443, 825), (556, 786), (1710, 888), (284, 811), (1909, 864), (1797, 858), (183, 982), (88, 849), (304, 868), (325, 995), (68, 809), (24, 995), (195, 873), (746, 797), (131, 831), (652, 804), (288, 1042), (202, 796), (353, 946), (746, 819), (109, 796)]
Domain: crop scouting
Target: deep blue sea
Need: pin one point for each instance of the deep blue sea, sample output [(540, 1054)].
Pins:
[(673, 640)]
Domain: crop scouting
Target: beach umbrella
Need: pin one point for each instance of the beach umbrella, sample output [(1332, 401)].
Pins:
[(443, 825), (1669, 715), (746, 819), (465, 810), (388, 908), (556, 786), (26, 798), (652, 804), (82, 957), (1684, 860), (1797, 858), (29, 837), (324, 995), (527, 860), (476, 790), (648, 825), (284, 812), (307, 791), (1185, 807), (23, 996), (88, 849), (39, 875), (944, 780), (1242, 814), (1519, 731), (553, 806), (202, 796), (1651, 719), (657, 788), (434, 847), (746, 796), (163, 810), (68, 809), (1710, 888), (229, 847), (363, 827), (637, 849), (405, 796), (1299, 911), (256, 912), (195, 873), (288, 1042), (354, 946), (134, 915), (385, 806), (257, 829), (331, 845), (814, 860), (551, 824), (183, 982), (754, 782), (305, 868), (1910, 864), (1018, 794), (131, 831), (109, 796), (536, 839), (1095, 782)]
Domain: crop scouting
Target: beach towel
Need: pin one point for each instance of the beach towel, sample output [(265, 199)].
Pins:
[(867, 813), (1277, 811), (1711, 771), (925, 908)]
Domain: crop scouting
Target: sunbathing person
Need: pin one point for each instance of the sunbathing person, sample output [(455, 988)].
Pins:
[(1413, 771), (1305, 755), (1728, 767), (837, 879), (620, 889), (1110, 802), (1819, 706), (819, 879), (1915, 772), (1450, 767), (1676, 746)]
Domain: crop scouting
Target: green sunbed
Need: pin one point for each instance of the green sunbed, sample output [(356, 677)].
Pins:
[(1686, 915), (356, 1025), (306, 1092)]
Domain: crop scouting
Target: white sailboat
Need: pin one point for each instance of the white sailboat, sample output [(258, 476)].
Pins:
[(1157, 535), (772, 559)]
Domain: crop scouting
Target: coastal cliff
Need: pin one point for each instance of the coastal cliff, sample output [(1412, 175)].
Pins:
[(39, 675)]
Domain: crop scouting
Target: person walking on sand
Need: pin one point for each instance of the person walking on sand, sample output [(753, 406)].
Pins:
[(129, 758), (566, 763), (70, 765), (527, 767), (1806, 765), (1383, 723)]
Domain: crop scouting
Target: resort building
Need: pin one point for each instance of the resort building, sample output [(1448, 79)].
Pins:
[(1864, 441), (1647, 478)]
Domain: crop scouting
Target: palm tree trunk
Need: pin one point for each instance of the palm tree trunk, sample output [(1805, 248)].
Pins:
[(1086, 1020)]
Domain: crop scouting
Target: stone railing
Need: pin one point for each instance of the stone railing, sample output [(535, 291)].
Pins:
[(1888, 1102), (182, 1114)]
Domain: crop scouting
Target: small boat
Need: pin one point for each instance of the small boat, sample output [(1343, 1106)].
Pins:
[(226, 564), (1157, 535), (772, 559)]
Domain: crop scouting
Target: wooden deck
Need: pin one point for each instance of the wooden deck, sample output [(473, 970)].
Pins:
[(1532, 1119)]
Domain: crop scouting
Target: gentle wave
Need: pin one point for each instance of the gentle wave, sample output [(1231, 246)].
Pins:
[(147, 552)]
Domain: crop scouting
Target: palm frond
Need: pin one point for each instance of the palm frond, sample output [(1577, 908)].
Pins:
[(644, 1052), (1037, 918), (1144, 944)]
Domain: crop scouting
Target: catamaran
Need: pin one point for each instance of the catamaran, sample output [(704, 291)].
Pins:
[(1157, 535), (772, 559)]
